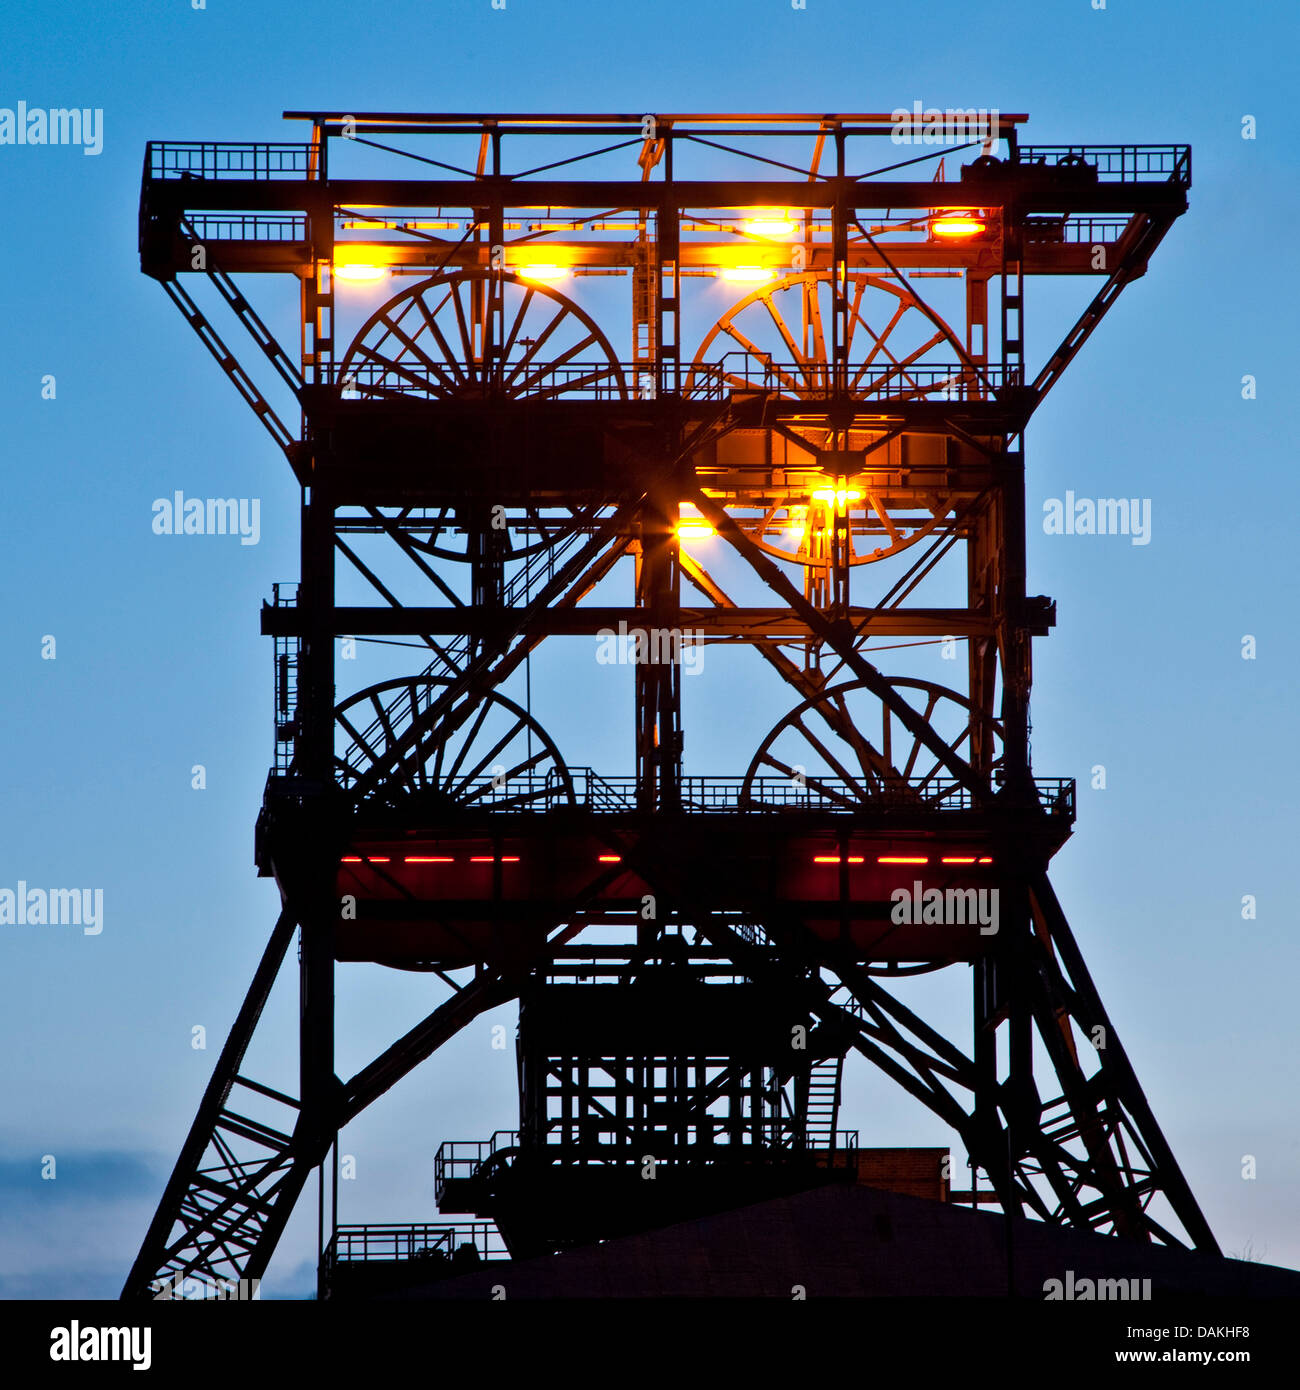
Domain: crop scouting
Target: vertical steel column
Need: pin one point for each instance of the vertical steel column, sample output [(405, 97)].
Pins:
[(644, 316), (977, 332), (983, 552), (486, 541), (840, 568), (1014, 637), (668, 301), (840, 277), (492, 322), (1013, 298), (313, 895), (317, 341), (658, 663)]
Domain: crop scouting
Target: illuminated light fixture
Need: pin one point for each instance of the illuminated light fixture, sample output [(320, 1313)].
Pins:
[(611, 858), (986, 861), (955, 859), (358, 272), (835, 859), (957, 224), (692, 525), (491, 859), (538, 270), (840, 496), (352, 859), (428, 859), (746, 274), (902, 859), (771, 222)]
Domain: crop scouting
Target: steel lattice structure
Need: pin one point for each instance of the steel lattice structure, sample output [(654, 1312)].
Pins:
[(822, 366)]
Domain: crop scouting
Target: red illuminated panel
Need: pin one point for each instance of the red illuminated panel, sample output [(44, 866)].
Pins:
[(902, 859)]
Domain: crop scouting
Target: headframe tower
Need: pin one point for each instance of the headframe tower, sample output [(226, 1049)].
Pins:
[(795, 447)]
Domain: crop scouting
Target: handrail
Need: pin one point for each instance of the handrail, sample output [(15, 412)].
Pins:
[(1115, 163), (465, 1159), (249, 226), (418, 1240), (761, 795), (714, 381), (220, 159), (215, 159)]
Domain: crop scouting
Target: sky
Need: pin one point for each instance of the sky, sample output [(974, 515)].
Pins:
[(157, 664)]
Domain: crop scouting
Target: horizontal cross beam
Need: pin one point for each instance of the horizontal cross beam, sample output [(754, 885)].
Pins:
[(586, 622)]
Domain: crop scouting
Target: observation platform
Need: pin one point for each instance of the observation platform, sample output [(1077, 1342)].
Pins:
[(911, 874)]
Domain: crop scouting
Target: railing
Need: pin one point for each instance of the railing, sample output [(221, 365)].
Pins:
[(698, 794), (203, 159), (594, 381), (1075, 231), (1056, 795), (248, 226), (1115, 163), (945, 381), (711, 381), (597, 793), (352, 1244), (169, 159), (714, 1141), (767, 1139), (462, 1158)]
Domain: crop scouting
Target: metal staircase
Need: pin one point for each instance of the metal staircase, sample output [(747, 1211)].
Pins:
[(823, 1102)]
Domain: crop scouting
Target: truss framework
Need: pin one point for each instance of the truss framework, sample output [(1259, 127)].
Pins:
[(480, 453)]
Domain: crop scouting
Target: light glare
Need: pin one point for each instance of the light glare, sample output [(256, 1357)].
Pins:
[(541, 271), (746, 274)]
